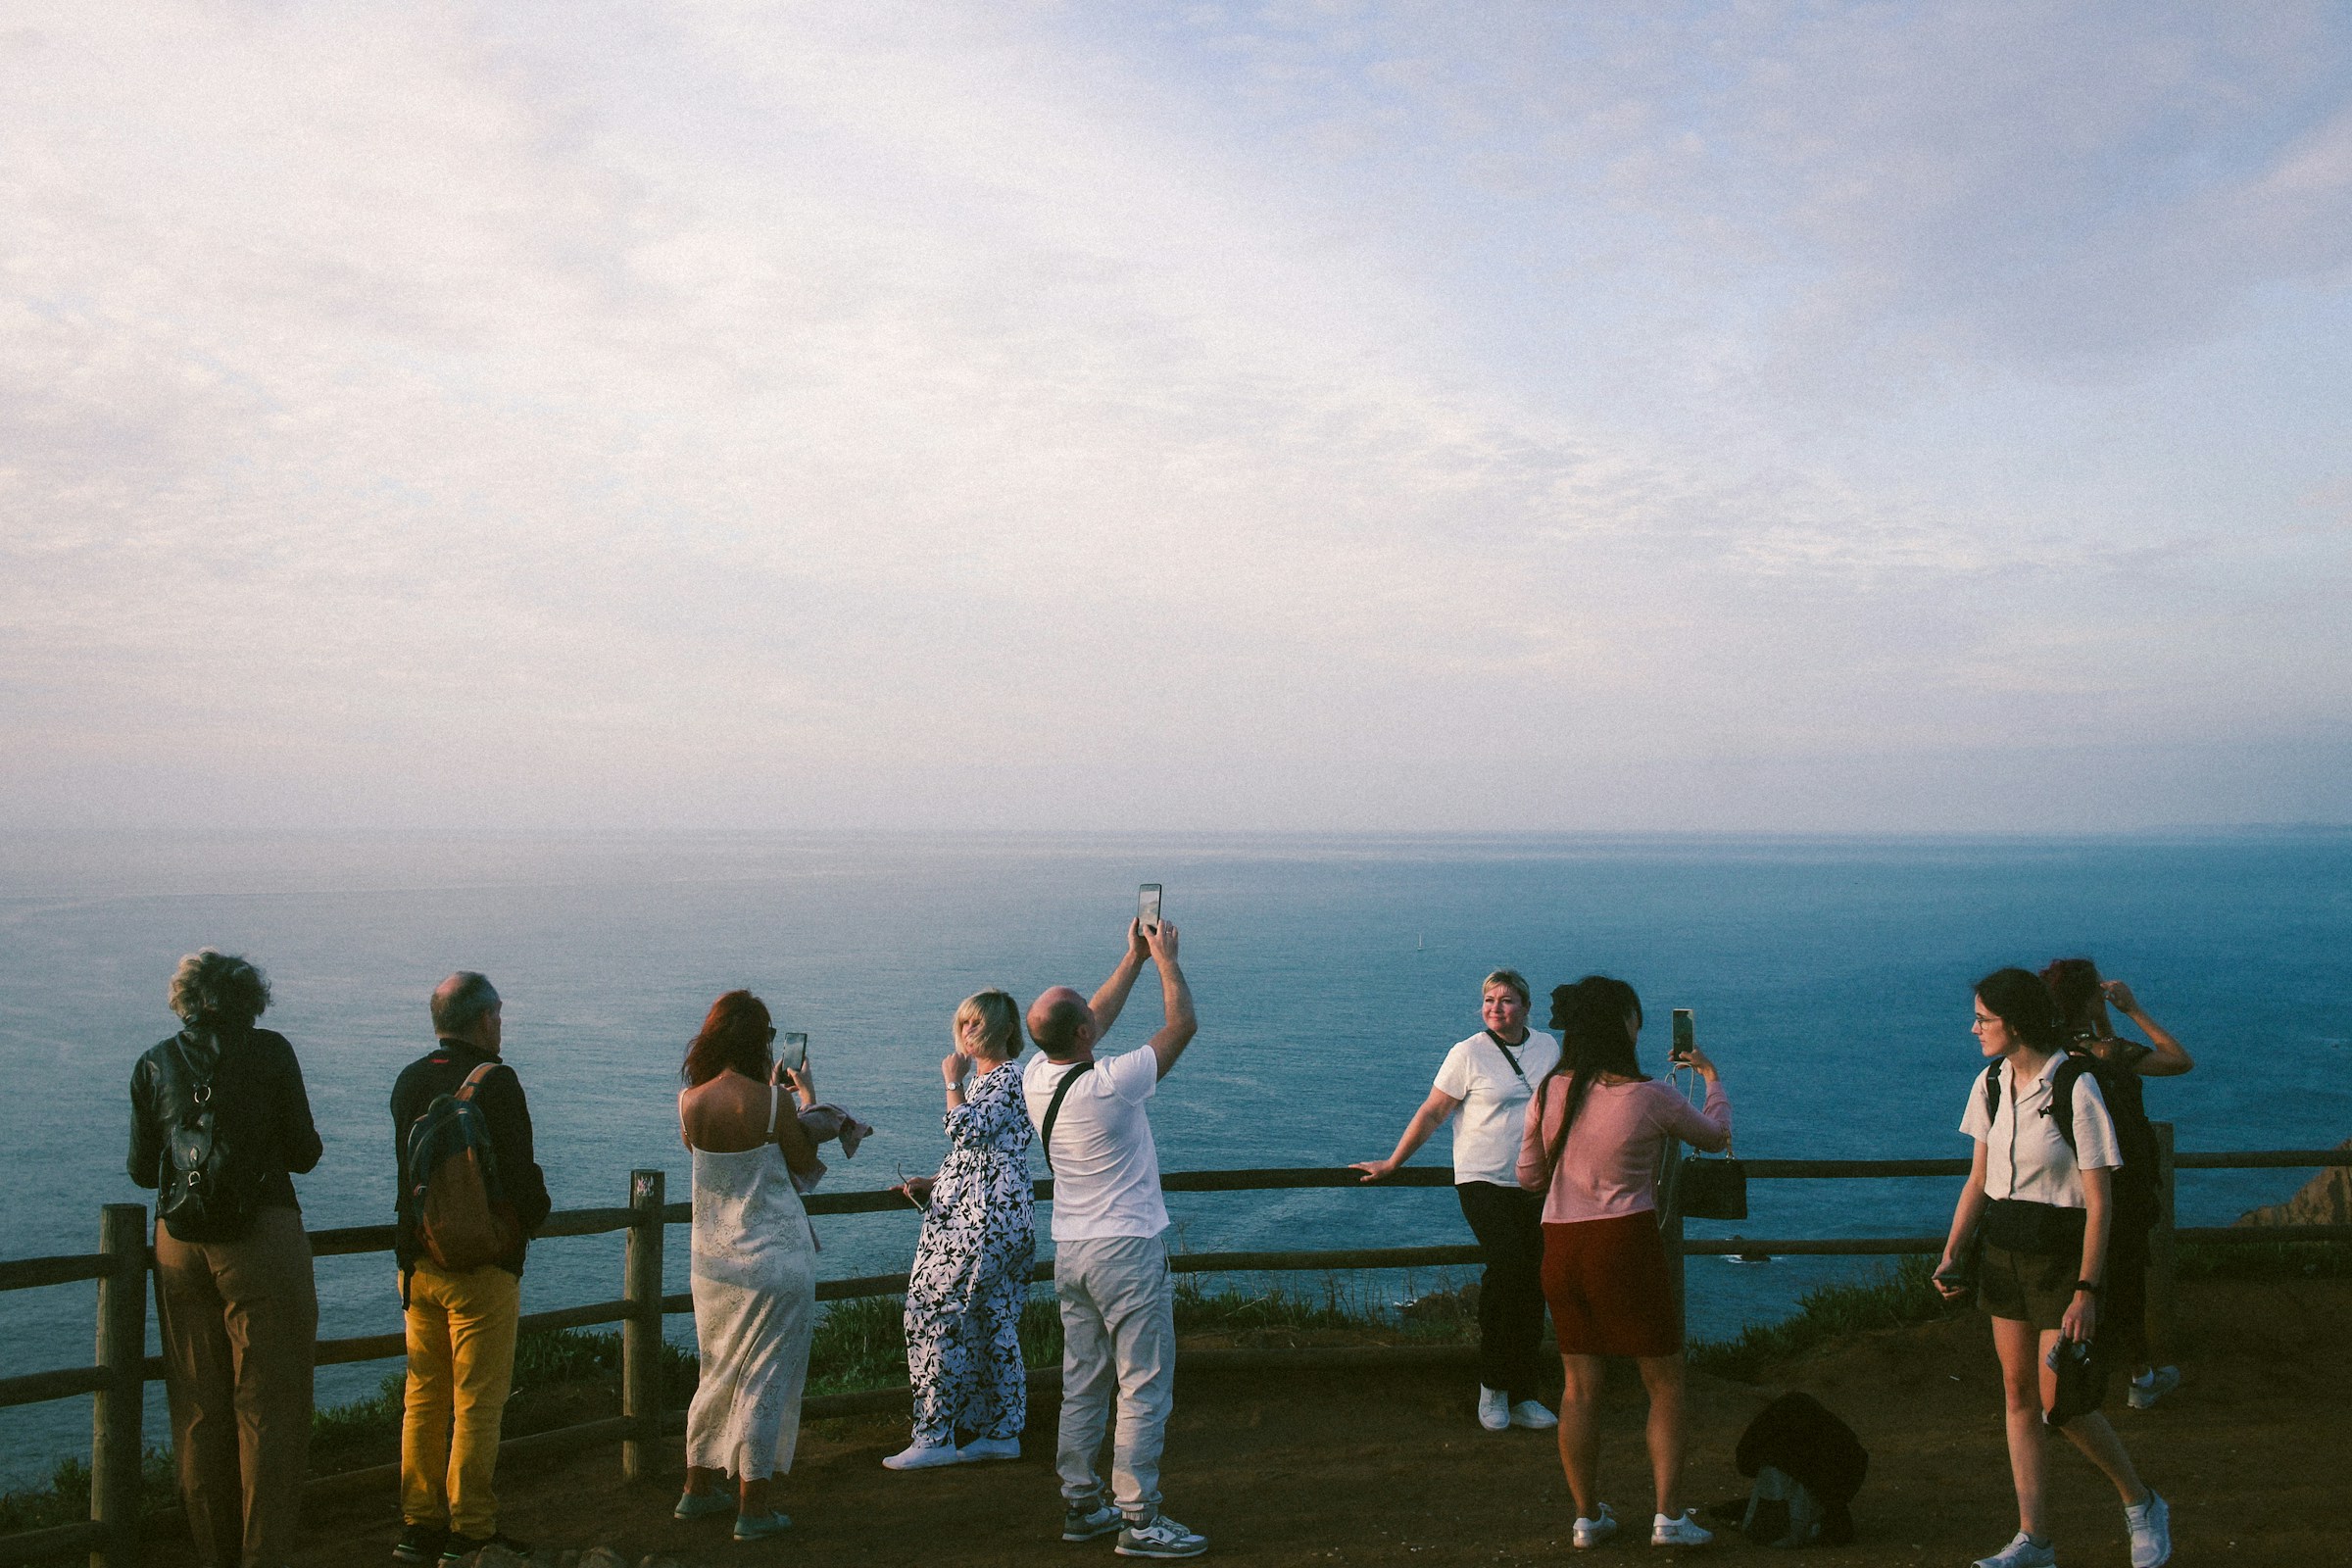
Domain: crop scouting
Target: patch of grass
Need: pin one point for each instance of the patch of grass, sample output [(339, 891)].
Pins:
[(1890, 1296)]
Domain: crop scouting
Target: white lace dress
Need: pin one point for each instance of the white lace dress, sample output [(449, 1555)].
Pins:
[(754, 1302)]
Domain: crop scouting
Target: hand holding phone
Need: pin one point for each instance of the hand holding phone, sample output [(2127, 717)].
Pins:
[(1686, 1035), (794, 1057), (1147, 906)]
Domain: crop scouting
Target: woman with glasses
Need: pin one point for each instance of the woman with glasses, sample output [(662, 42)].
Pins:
[(755, 1264), (2040, 1204), (979, 1243)]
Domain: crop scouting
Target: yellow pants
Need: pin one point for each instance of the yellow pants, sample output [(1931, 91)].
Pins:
[(461, 1360)]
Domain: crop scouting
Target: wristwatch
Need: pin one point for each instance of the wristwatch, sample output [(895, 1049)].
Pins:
[(2093, 1286)]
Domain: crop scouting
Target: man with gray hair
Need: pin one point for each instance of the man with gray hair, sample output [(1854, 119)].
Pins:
[(461, 1323), (1111, 1266)]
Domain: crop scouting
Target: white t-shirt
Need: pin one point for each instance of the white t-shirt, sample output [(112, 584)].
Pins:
[(2026, 1156), (1105, 1171), (1493, 1096)]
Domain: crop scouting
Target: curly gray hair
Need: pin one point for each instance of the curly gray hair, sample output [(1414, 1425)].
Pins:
[(215, 987)]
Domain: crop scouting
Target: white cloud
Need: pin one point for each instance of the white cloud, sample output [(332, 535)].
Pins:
[(831, 414)]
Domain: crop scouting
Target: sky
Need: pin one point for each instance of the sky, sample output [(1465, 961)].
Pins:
[(1803, 418)]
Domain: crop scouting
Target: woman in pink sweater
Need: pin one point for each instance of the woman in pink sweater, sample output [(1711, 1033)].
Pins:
[(1595, 1131)]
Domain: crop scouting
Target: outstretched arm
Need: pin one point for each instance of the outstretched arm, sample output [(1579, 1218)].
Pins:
[(1106, 1003), (1434, 1113), (1177, 1033)]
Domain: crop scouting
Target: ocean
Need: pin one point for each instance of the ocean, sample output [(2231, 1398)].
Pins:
[(1830, 978)]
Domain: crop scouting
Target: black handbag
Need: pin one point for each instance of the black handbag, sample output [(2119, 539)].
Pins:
[(1711, 1189)]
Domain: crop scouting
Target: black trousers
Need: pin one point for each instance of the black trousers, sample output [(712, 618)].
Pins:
[(1509, 1223)]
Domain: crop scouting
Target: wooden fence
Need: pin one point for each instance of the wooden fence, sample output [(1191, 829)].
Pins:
[(123, 1260)]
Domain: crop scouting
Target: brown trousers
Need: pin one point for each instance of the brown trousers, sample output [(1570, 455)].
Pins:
[(240, 1324)]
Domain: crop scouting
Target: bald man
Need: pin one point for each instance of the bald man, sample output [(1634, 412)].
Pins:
[(1110, 1266)]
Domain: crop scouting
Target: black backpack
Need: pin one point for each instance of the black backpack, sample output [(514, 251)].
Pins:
[(1807, 1445), (210, 1191), (2135, 1183)]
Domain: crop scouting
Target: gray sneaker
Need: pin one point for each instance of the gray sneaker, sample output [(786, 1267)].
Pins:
[(2151, 1527), (1159, 1537), (2022, 1551), (2159, 1382), (1089, 1521)]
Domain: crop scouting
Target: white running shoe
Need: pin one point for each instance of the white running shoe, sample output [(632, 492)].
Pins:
[(1528, 1413), (923, 1456), (981, 1451), (1683, 1531), (2151, 1527), (2145, 1391), (2022, 1553), (1159, 1537), (1593, 1531), (1493, 1408)]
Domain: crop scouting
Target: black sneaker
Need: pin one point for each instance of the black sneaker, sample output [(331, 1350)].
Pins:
[(456, 1548), (420, 1543)]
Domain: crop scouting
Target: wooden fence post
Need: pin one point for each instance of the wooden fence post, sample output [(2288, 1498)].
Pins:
[(2163, 1262), (641, 1329), (117, 1444)]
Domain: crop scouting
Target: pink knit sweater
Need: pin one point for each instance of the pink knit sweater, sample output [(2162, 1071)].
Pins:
[(1609, 1166)]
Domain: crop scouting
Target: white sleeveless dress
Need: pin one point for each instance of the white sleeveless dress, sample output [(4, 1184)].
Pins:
[(755, 1304)]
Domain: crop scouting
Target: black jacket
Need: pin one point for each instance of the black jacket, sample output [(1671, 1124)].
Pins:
[(441, 1071), (260, 1107)]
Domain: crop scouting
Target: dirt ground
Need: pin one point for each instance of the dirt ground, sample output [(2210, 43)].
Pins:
[(1391, 1468)]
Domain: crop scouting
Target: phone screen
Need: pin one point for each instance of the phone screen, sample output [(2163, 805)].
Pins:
[(1147, 906), (795, 1055), (1684, 1035)]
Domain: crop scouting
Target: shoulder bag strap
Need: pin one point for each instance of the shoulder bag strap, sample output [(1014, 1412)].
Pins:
[(475, 1079), (1506, 1054), (1061, 1090)]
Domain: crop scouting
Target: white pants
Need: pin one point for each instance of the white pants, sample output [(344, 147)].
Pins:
[(1118, 1336)]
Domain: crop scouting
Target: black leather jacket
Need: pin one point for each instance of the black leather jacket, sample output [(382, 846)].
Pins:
[(260, 1107)]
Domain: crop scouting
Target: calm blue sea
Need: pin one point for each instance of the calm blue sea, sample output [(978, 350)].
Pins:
[(1830, 978)]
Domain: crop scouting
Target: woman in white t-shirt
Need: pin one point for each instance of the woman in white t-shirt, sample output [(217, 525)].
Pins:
[(2044, 1210), (1486, 1078)]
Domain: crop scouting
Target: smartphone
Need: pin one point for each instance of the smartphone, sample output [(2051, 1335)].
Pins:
[(1684, 1035), (1147, 906), (794, 1057)]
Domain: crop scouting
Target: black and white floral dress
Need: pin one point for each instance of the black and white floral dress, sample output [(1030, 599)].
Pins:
[(971, 1271)]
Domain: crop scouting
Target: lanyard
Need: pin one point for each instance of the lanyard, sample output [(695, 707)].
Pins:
[(1506, 1054)]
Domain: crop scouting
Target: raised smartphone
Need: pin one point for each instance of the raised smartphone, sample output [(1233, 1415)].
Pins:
[(1686, 1035), (1147, 906), (794, 1057)]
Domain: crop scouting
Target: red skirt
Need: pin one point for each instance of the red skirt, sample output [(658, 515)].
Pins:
[(1608, 1288)]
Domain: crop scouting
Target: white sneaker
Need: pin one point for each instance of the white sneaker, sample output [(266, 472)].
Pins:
[(1493, 1408), (2151, 1527), (980, 1450), (1683, 1531), (1528, 1413), (923, 1456), (2159, 1382), (1593, 1531), (2022, 1553), (1160, 1537)]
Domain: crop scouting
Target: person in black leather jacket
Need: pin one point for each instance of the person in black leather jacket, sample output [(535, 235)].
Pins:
[(232, 1264)]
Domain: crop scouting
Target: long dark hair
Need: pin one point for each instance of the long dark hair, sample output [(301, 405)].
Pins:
[(736, 1033), (2019, 998), (1594, 1037)]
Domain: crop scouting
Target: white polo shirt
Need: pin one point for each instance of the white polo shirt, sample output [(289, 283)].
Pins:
[(2026, 1156), (1105, 1171), (1493, 1096)]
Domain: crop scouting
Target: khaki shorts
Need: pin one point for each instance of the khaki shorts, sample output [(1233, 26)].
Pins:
[(2030, 1287)]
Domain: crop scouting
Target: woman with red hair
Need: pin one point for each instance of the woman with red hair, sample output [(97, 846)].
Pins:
[(755, 1264)]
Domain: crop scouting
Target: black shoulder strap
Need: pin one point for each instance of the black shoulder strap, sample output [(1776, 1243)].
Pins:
[(1061, 1090), (1992, 1089), (1506, 1054)]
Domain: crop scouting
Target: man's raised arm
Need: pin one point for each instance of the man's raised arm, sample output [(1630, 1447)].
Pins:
[(1105, 1004), (1177, 1033)]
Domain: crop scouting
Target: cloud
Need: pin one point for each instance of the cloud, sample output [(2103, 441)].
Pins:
[(584, 415)]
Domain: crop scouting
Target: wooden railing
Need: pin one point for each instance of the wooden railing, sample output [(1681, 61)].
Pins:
[(120, 1265)]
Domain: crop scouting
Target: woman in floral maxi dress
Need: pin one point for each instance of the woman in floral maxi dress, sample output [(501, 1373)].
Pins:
[(979, 1242)]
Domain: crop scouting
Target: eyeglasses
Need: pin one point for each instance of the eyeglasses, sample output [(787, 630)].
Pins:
[(772, 1034)]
